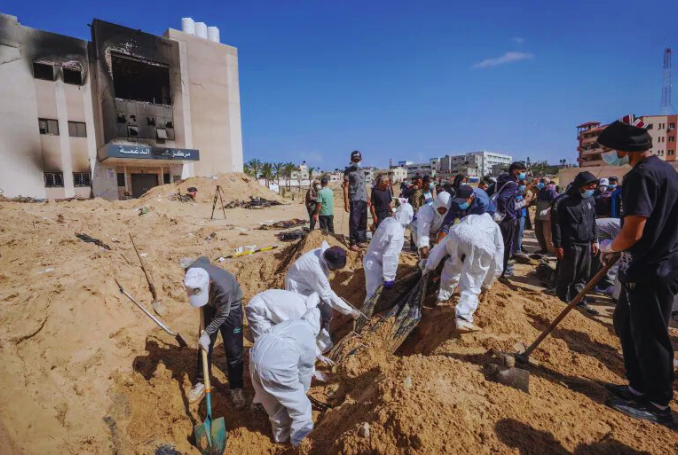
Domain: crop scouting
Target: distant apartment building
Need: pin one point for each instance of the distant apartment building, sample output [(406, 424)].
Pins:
[(422, 169), (662, 130), (663, 133), (116, 116), (472, 164), (589, 149), (398, 173)]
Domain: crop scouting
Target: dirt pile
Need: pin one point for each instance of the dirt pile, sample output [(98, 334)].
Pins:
[(83, 371), (235, 185)]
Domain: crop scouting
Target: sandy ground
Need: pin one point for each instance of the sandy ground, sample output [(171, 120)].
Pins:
[(83, 371)]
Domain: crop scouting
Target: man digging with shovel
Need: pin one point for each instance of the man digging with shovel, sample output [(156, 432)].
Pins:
[(217, 293)]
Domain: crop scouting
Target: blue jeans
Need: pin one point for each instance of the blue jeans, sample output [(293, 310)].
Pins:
[(518, 236)]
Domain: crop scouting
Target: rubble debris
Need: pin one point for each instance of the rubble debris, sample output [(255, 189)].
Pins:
[(240, 251), (88, 239), (293, 235), (286, 224), (253, 203)]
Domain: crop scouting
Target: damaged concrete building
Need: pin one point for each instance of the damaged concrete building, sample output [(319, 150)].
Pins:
[(114, 116)]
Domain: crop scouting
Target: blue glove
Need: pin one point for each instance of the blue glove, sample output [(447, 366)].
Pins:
[(389, 284)]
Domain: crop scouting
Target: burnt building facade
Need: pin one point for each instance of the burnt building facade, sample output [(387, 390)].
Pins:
[(114, 116)]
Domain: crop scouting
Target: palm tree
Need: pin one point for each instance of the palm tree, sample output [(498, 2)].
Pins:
[(310, 173), (288, 168), (254, 165), (278, 168), (267, 173)]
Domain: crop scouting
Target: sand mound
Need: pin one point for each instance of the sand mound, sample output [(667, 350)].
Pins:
[(235, 185), (84, 372)]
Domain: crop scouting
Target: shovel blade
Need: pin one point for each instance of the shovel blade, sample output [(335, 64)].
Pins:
[(516, 378), (211, 436)]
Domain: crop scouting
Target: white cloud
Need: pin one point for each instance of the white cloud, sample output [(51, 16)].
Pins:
[(518, 40), (506, 58)]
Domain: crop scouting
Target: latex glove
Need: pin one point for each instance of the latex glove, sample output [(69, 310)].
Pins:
[(606, 247), (325, 360), (498, 217), (204, 341), (389, 284), (422, 265), (355, 314)]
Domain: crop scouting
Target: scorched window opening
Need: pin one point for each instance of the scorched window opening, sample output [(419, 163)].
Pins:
[(139, 81)]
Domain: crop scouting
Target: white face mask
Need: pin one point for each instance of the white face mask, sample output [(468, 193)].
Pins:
[(356, 164)]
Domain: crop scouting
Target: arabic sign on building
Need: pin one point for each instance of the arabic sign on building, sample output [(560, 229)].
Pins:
[(146, 152)]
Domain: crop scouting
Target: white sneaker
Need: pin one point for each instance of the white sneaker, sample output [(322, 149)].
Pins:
[(466, 327), (197, 393), (237, 397)]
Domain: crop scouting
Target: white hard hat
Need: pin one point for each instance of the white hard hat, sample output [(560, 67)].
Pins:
[(603, 182), (197, 283)]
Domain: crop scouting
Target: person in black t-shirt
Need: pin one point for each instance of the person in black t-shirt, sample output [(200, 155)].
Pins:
[(648, 271), (382, 198)]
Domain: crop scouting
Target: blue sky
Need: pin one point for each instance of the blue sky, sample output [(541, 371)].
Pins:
[(415, 79)]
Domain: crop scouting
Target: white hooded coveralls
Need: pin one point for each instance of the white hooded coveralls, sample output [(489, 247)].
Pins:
[(476, 251), (381, 260), (282, 365), (274, 306), (309, 274), (428, 221)]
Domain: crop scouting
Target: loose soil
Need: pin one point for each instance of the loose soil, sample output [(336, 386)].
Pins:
[(84, 371)]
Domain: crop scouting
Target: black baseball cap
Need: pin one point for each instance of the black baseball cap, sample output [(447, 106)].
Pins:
[(463, 193), (356, 154), (324, 180), (335, 257)]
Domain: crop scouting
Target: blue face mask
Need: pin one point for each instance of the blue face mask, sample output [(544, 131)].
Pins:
[(358, 164), (431, 186), (612, 159), (541, 185), (521, 188), (522, 176), (612, 186), (465, 205), (587, 193)]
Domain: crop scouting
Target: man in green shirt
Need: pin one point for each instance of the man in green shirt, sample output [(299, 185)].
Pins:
[(324, 210)]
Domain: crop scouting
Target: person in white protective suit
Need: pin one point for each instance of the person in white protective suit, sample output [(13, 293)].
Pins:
[(476, 253), (381, 260), (428, 222), (310, 274), (282, 366), (274, 306)]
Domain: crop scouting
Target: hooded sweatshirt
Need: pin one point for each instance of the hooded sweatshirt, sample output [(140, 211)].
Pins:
[(573, 218), (507, 188)]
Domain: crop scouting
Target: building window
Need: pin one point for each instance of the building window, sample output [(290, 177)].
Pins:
[(81, 179), (165, 179), (132, 132), (43, 71), (72, 76), (140, 81), (77, 129), (48, 126), (672, 139), (54, 179), (672, 152), (121, 178)]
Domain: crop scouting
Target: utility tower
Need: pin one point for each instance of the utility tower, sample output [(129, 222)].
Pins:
[(667, 107)]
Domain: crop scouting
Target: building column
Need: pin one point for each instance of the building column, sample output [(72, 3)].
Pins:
[(64, 139)]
